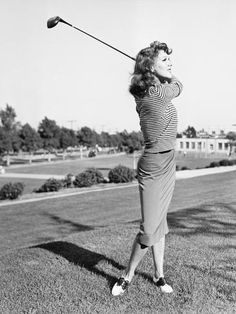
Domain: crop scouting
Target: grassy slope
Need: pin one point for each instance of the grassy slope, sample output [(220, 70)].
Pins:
[(76, 247)]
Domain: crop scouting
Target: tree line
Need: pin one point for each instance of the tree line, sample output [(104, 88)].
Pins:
[(15, 137)]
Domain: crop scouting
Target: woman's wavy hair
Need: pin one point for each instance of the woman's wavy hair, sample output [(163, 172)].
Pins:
[(144, 76)]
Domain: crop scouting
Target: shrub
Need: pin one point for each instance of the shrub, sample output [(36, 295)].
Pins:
[(11, 191), (177, 167), (92, 153), (96, 175), (213, 164), (224, 162), (51, 185), (185, 168), (121, 174), (88, 177)]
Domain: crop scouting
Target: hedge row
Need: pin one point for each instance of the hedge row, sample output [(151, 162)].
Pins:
[(223, 162), (87, 178)]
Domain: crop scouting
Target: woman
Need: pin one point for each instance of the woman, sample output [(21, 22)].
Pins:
[(153, 87)]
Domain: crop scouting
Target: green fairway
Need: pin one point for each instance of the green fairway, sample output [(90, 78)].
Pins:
[(63, 255)]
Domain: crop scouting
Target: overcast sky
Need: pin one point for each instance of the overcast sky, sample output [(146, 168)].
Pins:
[(66, 76)]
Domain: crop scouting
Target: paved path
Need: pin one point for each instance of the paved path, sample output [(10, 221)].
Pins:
[(31, 176)]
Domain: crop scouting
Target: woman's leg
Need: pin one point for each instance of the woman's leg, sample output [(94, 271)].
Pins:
[(158, 257), (137, 253)]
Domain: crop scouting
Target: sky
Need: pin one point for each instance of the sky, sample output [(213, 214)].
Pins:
[(68, 77)]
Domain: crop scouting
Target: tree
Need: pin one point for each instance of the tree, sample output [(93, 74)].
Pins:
[(106, 139), (231, 136), (67, 138), (49, 131), (131, 141), (87, 137), (8, 118), (190, 132), (30, 138), (9, 139)]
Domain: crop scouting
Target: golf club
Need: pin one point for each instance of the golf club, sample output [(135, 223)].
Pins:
[(53, 21)]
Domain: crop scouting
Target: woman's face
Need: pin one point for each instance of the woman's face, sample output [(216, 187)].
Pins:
[(163, 65)]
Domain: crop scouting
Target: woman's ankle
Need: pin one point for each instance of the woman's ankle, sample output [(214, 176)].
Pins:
[(158, 275), (128, 276)]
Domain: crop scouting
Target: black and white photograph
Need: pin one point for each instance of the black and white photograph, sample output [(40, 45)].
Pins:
[(117, 157)]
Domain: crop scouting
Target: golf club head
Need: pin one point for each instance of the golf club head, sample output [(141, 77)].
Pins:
[(53, 21)]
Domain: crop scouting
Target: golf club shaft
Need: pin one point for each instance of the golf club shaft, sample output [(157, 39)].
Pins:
[(103, 42)]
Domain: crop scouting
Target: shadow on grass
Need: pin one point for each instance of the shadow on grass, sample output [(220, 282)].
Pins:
[(94, 262), (68, 226), (82, 257), (213, 219), (208, 219)]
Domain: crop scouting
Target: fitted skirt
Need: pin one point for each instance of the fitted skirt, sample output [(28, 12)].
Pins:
[(156, 177)]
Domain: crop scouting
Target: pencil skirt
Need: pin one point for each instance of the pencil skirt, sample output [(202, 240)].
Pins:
[(156, 178)]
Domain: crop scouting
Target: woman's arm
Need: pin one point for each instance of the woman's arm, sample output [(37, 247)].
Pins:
[(169, 90)]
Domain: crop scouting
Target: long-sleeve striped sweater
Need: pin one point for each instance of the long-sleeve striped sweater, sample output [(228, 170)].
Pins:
[(158, 116)]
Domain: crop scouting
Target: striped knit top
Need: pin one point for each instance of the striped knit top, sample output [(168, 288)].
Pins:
[(158, 116)]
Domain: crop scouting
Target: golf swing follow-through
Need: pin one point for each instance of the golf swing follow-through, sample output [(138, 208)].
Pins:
[(153, 87), (53, 21)]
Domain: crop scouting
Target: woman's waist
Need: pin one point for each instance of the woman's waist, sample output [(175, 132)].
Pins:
[(160, 146)]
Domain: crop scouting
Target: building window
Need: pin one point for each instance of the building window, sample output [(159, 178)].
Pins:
[(181, 145), (211, 146), (220, 146), (226, 146), (193, 145), (187, 145), (199, 145)]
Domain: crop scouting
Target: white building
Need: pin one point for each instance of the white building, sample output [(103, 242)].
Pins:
[(203, 145)]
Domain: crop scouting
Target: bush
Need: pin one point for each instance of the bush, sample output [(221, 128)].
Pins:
[(121, 174), (51, 185), (11, 191), (96, 175), (92, 153), (224, 162), (185, 168), (88, 177), (213, 164)]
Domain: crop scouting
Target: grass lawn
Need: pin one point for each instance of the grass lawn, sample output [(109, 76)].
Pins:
[(104, 164), (63, 255)]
